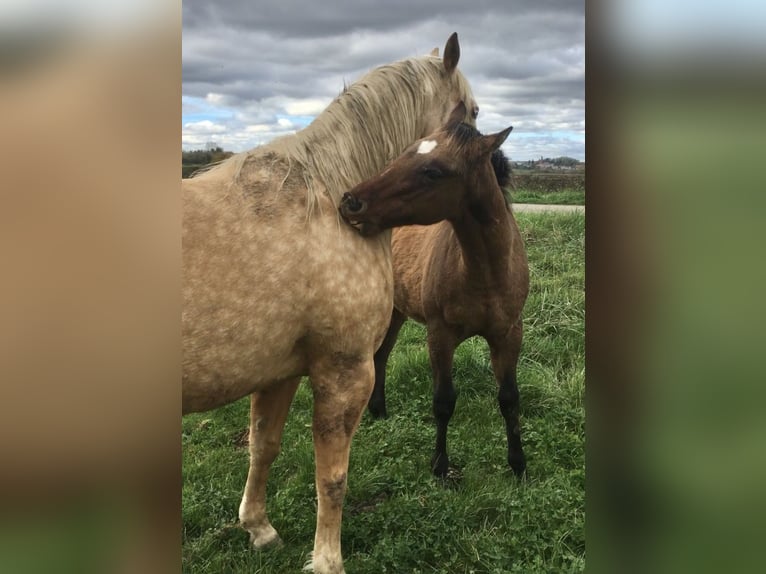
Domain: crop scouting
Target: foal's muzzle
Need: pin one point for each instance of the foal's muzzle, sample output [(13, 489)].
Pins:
[(351, 205)]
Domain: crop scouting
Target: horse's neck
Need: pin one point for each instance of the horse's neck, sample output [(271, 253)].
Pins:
[(485, 239)]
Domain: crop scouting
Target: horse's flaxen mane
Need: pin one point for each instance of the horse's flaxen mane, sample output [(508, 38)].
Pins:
[(462, 134), (369, 124)]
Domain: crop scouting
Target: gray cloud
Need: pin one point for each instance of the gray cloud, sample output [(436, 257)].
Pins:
[(248, 61)]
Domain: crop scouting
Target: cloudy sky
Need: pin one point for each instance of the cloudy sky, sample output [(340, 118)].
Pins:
[(257, 69)]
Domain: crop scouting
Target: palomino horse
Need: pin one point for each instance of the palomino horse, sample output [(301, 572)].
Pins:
[(275, 286), (465, 276)]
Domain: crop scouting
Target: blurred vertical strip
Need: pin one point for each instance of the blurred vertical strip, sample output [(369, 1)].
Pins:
[(90, 291), (676, 277)]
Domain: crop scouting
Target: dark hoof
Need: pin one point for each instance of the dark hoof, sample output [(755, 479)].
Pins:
[(518, 464), (440, 466), (377, 411)]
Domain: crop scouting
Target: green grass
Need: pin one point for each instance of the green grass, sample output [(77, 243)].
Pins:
[(397, 517), (566, 197)]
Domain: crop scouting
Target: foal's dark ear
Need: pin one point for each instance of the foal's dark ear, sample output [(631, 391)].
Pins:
[(451, 53), (493, 141), (457, 116)]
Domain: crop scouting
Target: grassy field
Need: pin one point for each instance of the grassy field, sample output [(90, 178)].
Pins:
[(566, 197), (557, 188), (397, 517)]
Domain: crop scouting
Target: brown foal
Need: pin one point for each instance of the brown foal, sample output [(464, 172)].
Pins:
[(466, 275)]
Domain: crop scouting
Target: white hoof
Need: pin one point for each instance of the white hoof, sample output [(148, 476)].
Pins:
[(265, 538)]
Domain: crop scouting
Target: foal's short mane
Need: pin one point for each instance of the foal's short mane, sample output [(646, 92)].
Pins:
[(462, 134), (504, 174), (367, 125)]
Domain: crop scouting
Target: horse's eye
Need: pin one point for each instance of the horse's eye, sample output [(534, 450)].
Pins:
[(432, 172), (475, 112)]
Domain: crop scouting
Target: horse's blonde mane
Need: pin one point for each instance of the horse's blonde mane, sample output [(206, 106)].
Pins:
[(369, 124)]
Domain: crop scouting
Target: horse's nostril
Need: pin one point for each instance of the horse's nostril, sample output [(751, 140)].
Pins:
[(353, 204)]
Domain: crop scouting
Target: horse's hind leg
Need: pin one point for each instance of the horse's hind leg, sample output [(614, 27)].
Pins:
[(505, 355), (441, 350), (341, 386), (268, 412), (377, 403)]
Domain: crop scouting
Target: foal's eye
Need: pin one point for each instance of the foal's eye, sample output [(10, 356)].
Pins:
[(432, 172)]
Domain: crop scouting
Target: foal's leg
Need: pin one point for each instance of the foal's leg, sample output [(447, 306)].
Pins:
[(441, 350), (505, 355), (377, 403), (341, 386), (268, 411)]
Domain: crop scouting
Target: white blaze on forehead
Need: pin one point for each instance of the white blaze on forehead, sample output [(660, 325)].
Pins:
[(426, 146)]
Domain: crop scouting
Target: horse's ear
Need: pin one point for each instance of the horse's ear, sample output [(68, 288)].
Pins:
[(493, 141), (457, 116), (435, 52), (451, 53)]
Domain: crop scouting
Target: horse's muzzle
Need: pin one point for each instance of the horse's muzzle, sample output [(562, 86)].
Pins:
[(351, 205)]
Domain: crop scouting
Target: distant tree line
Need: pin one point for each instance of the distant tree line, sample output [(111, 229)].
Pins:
[(562, 161), (196, 159)]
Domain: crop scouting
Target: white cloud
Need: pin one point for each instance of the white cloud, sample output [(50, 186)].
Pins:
[(258, 128), (204, 127), (214, 98), (196, 135)]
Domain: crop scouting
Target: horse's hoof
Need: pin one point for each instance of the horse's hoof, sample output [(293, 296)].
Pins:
[(440, 466), (518, 464), (266, 541), (378, 414), (377, 410)]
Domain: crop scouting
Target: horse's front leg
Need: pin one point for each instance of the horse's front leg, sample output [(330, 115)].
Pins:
[(505, 355), (268, 411), (441, 351), (341, 386), (377, 403)]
